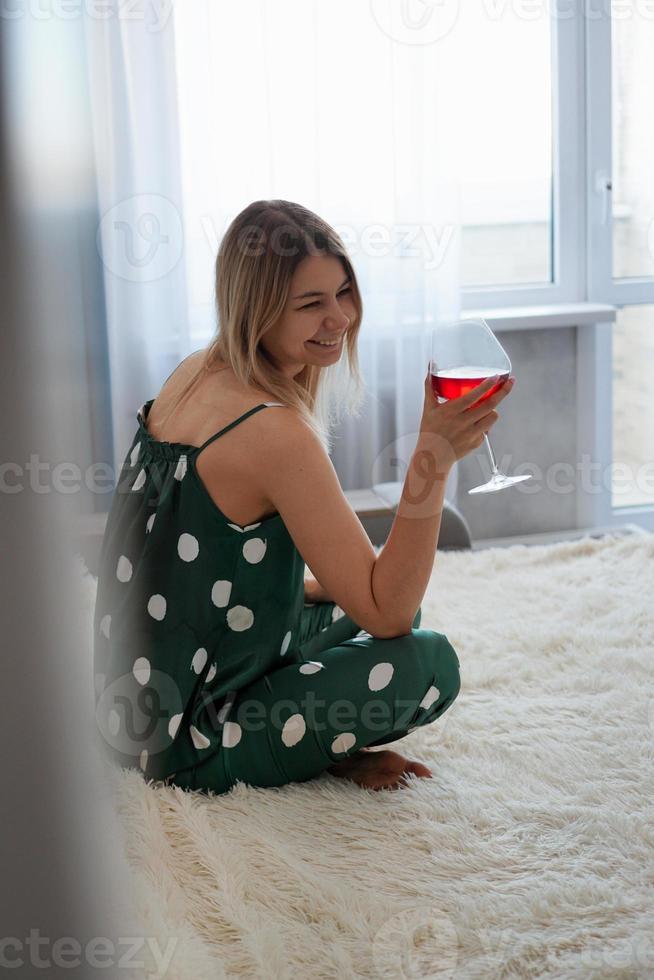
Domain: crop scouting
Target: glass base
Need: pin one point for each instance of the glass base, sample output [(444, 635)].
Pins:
[(499, 482)]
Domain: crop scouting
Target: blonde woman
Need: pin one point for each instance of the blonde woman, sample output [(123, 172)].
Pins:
[(216, 659)]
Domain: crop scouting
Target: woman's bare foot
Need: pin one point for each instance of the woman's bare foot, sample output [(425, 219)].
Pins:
[(379, 770)]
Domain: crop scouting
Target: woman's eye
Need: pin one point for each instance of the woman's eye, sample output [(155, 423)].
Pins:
[(348, 289)]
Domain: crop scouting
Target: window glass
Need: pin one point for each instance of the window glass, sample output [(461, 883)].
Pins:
[(506, 145), (632, 52), (633, 418)]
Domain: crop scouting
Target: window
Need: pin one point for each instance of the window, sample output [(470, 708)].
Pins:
[(632, 55), (506, 146), (551, 117), (633, 419), (620, 235)]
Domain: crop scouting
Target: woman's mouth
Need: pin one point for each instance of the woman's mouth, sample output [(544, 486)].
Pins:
[(324, 344)]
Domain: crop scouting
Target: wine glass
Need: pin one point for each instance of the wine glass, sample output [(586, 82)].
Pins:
[(463, 354)]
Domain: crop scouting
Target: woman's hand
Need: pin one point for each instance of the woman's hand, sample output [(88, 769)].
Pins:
[(313, 590), (456, 427)]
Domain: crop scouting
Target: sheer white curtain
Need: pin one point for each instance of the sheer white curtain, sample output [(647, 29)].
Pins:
[(132, 87), (344, 107)]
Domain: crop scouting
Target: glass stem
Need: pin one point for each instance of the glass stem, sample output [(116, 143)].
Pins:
[(491, 454)]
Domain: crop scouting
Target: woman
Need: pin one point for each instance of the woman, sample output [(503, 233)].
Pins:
[(215, 661)]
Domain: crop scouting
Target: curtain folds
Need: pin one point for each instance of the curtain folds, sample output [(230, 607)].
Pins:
[(336, 105)]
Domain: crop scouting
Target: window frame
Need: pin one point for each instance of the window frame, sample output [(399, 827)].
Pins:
[(568, 216), (602, 286), (582, 241)]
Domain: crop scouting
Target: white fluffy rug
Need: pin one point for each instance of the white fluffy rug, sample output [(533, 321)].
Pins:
[(529, 854)]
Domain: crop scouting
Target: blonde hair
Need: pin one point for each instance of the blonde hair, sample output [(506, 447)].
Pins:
[(256, 260)]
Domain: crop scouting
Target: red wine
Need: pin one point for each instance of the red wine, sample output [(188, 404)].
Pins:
[(454, 382)]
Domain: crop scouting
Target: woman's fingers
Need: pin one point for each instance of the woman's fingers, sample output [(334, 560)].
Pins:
[(479, 411), (464, 401)]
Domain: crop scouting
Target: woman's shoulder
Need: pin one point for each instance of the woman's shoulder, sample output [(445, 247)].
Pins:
[(219, 377), (218, 399)]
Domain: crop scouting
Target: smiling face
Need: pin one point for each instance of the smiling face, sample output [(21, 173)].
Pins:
[(323, 315)]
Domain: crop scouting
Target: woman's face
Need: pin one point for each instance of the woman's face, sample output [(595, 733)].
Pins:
[(323, 315)]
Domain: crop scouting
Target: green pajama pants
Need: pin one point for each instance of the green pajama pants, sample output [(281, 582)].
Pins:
[(338, 693)]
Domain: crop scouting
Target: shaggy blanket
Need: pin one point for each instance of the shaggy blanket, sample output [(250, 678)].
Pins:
[(529, 854)]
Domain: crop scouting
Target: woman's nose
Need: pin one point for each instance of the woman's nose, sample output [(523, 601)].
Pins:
[(338, 320)]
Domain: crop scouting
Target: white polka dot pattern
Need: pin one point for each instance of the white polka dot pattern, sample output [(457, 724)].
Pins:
[(242, 599), (124, 569), (432, 695), (173, 725), (231, 734), (199, 740), (220, 593), (188, 547), (293, 730), (141, 670), (223, 713), (180, 469), (157, 606), (254, 550), (380, 676), (240, 618), (343, 742)]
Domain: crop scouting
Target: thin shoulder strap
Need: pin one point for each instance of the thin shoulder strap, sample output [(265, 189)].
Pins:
[(241, 418)]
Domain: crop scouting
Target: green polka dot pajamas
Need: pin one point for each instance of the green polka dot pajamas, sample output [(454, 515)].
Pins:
[(209, 666)]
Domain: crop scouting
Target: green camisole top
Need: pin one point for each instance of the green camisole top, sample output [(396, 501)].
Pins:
[(191, 607)]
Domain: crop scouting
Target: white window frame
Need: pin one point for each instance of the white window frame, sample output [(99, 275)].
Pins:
[(602, 287), (568, 177), (582, 239)]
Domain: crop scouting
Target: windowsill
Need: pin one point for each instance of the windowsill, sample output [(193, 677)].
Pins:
[(544, 317)]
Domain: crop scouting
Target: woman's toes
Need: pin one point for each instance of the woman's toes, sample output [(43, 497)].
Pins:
[(419, 769)]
